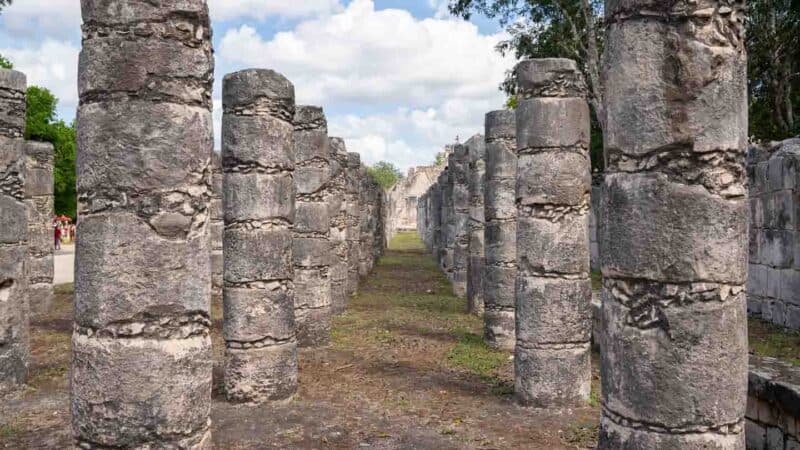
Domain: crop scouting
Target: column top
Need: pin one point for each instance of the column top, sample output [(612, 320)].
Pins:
[(245, 87), (549, 77), (501, 124), (310, 117), (13, 80)]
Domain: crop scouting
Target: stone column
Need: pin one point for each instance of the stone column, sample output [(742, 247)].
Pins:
[(447, 225), (475, 226), (259, 209), (460, 198), (14, 306), (312, 247), (142, 361), (500, 272), (337, 214), (39, 200), (435, 213), (365, 211), (674, 226), (553, 291), (353, 208), (217, 224)]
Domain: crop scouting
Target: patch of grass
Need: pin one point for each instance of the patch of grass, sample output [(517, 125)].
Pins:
[(582, 435), (767, 339), (8, 431), (597, 281), (473, 354), (64, 289), (407, 241)]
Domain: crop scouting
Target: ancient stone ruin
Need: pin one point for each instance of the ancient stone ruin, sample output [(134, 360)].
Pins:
[(500, 271), (311, 233), (258, 148), (475, 223), (39, 201), (673, 241), (141, 366), (14, 304), (337, 213)]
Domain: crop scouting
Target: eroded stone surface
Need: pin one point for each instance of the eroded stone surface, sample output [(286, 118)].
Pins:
[(674, 325), (259, 210), (553, 291), (141, 370)]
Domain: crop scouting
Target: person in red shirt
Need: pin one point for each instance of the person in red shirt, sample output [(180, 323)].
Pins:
[(57, 237)]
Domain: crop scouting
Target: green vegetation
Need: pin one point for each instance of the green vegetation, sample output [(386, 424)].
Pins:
[(597, 281), (5, 63), (767, 339), (8, 431), (385, 173), (473, 354), (440, 159), (42, 125)]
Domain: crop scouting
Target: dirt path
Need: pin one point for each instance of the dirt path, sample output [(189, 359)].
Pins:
[(406, 369)]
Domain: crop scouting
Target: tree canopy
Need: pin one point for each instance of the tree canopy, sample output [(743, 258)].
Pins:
[(385, 173), (42, 125), (5, 63)]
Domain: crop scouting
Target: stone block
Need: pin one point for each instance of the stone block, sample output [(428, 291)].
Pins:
[(245, 196), (756, 212), (642, 118), (553, 310), (258, 374), (500, 286), (757, 280), (550, 377), (255, 314), (559, 246), (501, 242), (790, 286), (754, 305), (311, 179), (261, 140), (793, 317), (547, 122), (774, 280), (313, 252), (120, 372), (774, 439), (639, 364), (755, 435), (312, 217), (155, 148), (658, 230), (614, 436), (553, 178), (784, 210), (144, 274), (13, 220), (271, 247)]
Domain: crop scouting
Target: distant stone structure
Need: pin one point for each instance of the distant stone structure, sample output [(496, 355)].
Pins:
[(673, 241), (39, 200), (216, 226), (773, 285), (141, 372), (258, 150), (311, 234), (500, 234), (353, 211), (337, 213), (458, 168), (14, 304), (552, 360), (476, 172), (402, 198)]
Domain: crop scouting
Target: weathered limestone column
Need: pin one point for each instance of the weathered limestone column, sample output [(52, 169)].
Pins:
[(141, 368), (460, 198), (674, 226), (553, 291), (353, 207), (312, 247), (216, 226), (475, 178), (436, 216), (259, 205), (337, 214), (500, 272), (14, 306), (364, 220), (39, 200), (447, 224)]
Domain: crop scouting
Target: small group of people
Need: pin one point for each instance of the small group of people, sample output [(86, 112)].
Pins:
[(63, 231)]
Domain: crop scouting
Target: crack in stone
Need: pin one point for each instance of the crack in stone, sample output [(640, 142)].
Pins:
[(736, 427), (282, 109), (149, 326), (283, 284), (266, 341)]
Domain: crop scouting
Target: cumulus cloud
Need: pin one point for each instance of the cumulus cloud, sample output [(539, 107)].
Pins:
[(31, 19), (52, 64), (436, 77), (261, 9)]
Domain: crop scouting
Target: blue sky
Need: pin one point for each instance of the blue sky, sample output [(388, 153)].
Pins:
[(398, 79)]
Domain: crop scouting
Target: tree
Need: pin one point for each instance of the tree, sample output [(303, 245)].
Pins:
[(41, 125), (548, 29), (385, 173), (4, 3), (773, 43), (440, 159), (5, 63)]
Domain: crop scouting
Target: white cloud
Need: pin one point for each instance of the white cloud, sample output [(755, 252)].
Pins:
[(261, 9), (440, 8), (31, 19), (436, 77), (53, 64)]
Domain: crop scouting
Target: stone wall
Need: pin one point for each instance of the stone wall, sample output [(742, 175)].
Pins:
[(402, 200), (773, 291), (773, 405), (39, 200)]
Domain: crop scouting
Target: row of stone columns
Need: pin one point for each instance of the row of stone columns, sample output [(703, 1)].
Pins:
[(673, 229)]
